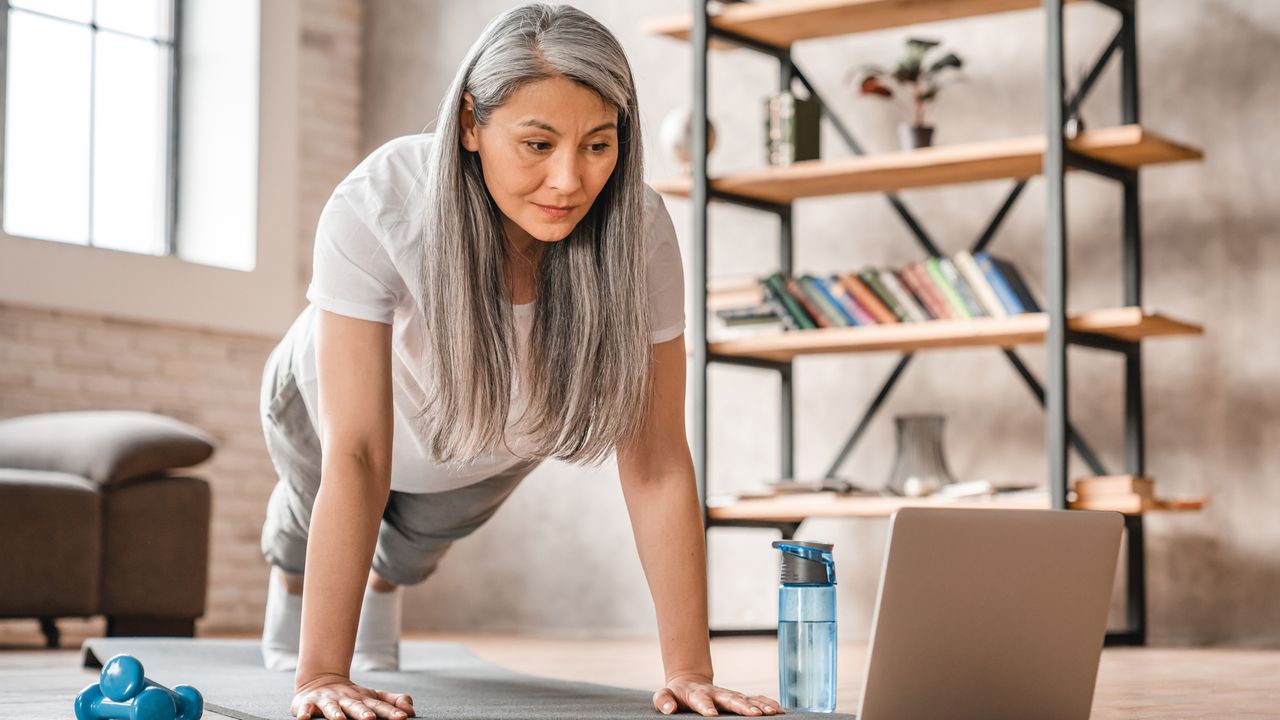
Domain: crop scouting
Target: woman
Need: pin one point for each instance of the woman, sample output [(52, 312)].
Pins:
[(521, 241)]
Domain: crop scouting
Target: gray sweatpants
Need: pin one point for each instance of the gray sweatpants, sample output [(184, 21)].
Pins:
[(416, 529)]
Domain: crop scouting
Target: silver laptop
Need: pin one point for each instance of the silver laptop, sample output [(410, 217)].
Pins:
[(990, 614)]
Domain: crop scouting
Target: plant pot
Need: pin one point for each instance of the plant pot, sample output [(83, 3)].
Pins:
[(912, 137), (920, 466)]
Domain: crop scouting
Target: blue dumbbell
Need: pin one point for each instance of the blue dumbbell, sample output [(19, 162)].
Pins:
[(124, 693)]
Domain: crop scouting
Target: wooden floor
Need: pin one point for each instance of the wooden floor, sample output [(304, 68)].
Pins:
[(1132, 682)]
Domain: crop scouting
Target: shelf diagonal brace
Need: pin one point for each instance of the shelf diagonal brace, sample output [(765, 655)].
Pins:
[(780, 209), (1086, 85), (867, 416), (985, 238), (1086, 453), (912, 224), (759, 46)]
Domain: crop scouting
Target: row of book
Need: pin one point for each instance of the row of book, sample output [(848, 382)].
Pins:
[(940, 288)]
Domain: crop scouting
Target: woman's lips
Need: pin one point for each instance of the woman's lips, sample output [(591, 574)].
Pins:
[(554, 212)]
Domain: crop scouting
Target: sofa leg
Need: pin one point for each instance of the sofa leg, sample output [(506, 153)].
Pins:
[(50, 629), (149, 626)]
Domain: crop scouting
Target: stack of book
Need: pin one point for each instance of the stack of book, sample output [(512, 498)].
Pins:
[(939, 288), (1121, 493)]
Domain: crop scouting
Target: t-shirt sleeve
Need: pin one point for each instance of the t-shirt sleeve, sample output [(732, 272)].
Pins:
[(665, 273), (352, 273)]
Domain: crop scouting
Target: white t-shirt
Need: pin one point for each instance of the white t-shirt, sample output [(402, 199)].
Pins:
[(367, 255)]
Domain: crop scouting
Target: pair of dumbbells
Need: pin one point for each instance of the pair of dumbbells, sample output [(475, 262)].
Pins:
[(124, 693)]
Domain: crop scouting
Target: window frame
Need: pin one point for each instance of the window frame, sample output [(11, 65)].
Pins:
[(166, 289)]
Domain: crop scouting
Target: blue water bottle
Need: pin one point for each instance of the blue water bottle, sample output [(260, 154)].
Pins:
[(807, 627)]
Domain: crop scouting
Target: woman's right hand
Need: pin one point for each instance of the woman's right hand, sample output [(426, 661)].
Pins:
[(335, 697)]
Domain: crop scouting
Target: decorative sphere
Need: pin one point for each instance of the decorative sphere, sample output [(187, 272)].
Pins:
[(676, 135)]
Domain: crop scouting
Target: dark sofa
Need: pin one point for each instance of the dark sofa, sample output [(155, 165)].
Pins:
[(94, 521)]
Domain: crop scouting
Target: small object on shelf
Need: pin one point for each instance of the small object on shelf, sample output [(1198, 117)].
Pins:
[(920, 466), (842, 486), (914, 77), (791, 129), (676, 134)]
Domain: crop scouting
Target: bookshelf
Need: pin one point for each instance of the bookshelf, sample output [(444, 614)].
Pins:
[(1116, 153)]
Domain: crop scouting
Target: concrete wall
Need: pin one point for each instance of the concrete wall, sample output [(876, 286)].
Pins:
[(1209, 407)]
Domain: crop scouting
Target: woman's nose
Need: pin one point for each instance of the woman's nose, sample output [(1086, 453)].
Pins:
[(563, 173)]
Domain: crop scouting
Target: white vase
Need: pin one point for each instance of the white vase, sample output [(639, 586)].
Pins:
[(676, 136)]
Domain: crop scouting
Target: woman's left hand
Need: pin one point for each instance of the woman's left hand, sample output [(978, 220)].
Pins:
[(696, 693)]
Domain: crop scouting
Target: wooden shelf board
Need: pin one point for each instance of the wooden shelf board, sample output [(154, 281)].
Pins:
[(1127, 323), (793, 508), (783, 23), (1127, 145)]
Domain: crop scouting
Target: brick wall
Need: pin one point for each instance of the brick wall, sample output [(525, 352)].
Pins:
[(51, 360)]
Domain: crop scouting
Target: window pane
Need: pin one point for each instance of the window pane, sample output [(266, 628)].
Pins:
[(46, 144), (129, 144), (149, 18), (78, 10)]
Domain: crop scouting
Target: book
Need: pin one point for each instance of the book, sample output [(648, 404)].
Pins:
[(776, 284), (871, 278), (977, 281), (910, 288), (918, 276), (962, 288), (838, 291), (890, 281), (815, 311), (1110, 485), (817, 289), (867, 299), (1018, 284), (1003, 290), (954, 302), (788, 322)]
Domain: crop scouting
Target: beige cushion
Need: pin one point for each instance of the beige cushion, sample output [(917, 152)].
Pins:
[(104, 446)]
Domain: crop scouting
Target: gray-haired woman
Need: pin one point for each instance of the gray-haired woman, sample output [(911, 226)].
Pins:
[(504, 290)]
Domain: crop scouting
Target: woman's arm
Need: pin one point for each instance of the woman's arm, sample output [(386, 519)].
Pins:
[(666, 518), (354, 373)]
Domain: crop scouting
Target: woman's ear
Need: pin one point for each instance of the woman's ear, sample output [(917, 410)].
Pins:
[(467, 122)]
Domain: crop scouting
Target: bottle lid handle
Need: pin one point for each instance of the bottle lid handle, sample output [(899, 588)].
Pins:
[(812, 552)]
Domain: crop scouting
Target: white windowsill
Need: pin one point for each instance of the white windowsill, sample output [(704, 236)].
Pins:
[(171, 291)]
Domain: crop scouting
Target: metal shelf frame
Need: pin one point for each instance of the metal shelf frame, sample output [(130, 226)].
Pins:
[(1052, 396)]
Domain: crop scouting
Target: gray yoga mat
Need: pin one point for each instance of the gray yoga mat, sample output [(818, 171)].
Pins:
[(446, 680)]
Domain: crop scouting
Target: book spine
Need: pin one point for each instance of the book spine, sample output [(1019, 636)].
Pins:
[(872, 281), (842, 297), (777, 285), (867, 299), (928, 291), (810, 306), (953, 300), (973, 275), (908, 303), (962, 288), (908, 281), (1001, 286), (817, 289), (788, 322), (1018, 283)]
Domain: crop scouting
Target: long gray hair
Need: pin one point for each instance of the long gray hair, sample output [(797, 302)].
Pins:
[(589, 371)]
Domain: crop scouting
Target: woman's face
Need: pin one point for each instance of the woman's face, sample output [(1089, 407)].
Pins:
[(546, 154)]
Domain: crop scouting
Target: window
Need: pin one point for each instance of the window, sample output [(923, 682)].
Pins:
[(89, 123)]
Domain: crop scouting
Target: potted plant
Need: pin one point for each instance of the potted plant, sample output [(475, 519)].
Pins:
[(918, 80)]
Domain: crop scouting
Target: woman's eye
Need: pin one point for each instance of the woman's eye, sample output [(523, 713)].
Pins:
[(537, 146), (599, 147)]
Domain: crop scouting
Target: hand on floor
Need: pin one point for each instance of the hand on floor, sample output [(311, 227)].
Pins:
[(334, 697), (696, 693)]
